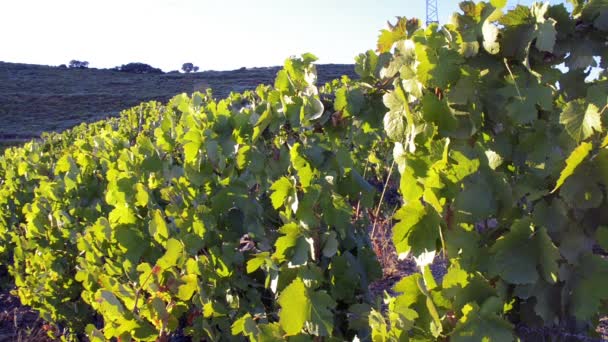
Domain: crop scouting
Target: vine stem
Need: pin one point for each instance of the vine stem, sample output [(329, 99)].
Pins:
[(141, 288), (390, 172), (513, 78), (359, 201), (603, 109)]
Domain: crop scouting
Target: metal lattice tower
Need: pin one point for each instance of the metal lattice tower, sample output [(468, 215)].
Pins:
[(432, 14)]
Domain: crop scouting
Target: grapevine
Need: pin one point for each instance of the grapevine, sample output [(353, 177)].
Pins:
[(249, 217)]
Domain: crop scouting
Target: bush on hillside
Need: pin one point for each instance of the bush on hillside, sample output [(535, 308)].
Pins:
[(138, 68), (189, 67), (75, 64)]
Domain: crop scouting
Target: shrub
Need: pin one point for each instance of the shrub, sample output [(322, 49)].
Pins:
[(75, 64), (138, 68), (189, 67)]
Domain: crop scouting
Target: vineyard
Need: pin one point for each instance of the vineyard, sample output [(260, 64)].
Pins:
[(483, 141)]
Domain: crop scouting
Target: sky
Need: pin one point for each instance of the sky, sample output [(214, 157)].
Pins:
[(212, 34)]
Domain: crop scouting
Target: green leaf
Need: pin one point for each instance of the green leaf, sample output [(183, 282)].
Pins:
[(271, 332), (263, 122), (174, 249), (245, 326), (498, 3), (284, 243), (158, 227), (455, 277), (601, 22), (336, 212), (396, 32), (131, 240), (395, 125), (301, 251), (93, 334), (438, 112), (344, 277), (517, 255), (601, 235), (514, 256), (305, 171), (188, 287), (257, 261), (408, 287), (281, 83), (191, 151), (141, 195), (581, 121), (295, 307), (476, 201), (490, 37), (545, 35), (553, 215), (576, 157), (417, 231), (321, 317), (477, 326), (437, 67), (109, 305), (243, 157), (330, 247), (281, 189), (349, 101), (590, 288), (581, 56), (581, 189), (548, 255)]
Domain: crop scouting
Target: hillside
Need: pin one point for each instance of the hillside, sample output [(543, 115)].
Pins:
[(36, 98)]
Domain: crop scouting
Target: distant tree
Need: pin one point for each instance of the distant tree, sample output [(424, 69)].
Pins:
[(78, 64), (189, 67), (138, 68), (62, 66)]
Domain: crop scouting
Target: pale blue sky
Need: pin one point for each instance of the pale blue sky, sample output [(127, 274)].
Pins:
[(213, 34)]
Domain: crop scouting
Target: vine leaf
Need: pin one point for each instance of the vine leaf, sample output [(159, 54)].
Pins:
[(576, 157), (417, 231), (321, 316), (580, 120), (478, 325), (545, 35), (158, 227), (281, 190), (591, 286), (517, 255), (295, 307), (300, 306)]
